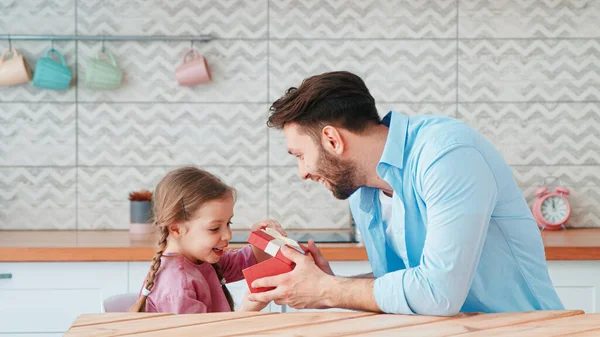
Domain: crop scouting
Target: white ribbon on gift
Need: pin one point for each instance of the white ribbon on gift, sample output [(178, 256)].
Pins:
[(279, 241)]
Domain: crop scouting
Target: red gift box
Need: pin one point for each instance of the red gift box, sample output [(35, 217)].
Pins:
[(270, 241)]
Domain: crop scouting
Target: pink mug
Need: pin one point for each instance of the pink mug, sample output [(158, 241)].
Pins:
[(194, 71), (14, 70)]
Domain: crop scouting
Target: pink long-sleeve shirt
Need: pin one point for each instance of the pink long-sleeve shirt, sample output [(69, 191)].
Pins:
[(184, 287)]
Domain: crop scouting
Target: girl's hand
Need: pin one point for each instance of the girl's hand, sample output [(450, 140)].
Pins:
[(248, 305), (259, 255), (269, 223)]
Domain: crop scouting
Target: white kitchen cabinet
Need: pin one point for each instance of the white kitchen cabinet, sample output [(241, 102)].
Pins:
[(38, 298), (137, 275), (577, 284)]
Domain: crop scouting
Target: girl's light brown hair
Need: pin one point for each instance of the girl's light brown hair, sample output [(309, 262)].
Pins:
[(176, 197)]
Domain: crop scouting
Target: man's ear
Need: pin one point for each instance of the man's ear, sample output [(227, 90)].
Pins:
[(332, 140)]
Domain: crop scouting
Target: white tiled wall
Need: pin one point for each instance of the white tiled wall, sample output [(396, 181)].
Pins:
[(525, 73)]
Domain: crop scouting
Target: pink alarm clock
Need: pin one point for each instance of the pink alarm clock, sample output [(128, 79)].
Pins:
[(551, 209)]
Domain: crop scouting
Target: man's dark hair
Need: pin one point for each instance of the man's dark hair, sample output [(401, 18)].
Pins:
[(337, 98)]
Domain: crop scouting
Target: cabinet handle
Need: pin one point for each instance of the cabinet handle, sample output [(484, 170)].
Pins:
[(6, 276)]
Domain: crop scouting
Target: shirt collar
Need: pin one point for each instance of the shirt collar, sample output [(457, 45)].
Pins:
[(393, 153)]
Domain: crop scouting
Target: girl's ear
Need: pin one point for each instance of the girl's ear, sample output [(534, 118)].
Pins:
[(175, 230)]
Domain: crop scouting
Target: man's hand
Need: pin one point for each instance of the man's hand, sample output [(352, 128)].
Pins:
[(320, 261), (309, 287), (303, 287)]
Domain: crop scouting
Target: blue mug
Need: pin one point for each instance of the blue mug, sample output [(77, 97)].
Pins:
[(50, 74)]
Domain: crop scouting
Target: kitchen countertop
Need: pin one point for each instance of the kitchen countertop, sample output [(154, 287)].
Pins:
[(73, 246)]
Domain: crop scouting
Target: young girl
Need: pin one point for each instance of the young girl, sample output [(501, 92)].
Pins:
[(192, 210)]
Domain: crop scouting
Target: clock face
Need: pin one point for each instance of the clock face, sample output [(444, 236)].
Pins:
[(554, 209)]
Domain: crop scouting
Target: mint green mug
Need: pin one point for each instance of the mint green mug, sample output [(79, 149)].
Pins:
[(50, 74), (102, 75)]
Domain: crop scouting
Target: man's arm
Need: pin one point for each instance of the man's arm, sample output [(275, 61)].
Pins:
[(308, 286), (351, 293), (369, 275), (460, 191)]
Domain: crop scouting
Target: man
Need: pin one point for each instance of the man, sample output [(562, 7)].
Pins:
[(445, 225)]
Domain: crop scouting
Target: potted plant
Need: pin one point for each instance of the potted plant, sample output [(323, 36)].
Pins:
[(140, 212)]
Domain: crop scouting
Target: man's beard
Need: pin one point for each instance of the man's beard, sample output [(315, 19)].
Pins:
[(342, 175)]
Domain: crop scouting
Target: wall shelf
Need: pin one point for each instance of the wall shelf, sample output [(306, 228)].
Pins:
[(195, 38)]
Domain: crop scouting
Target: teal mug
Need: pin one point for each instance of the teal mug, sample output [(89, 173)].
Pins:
[(50, 74), (102, 75)]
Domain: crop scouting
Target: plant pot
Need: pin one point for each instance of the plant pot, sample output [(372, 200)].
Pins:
[(140, 213)]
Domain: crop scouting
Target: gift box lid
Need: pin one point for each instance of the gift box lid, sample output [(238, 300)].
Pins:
[(271, 241)]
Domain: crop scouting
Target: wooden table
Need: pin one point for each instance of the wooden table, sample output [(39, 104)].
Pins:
[(536, 323)]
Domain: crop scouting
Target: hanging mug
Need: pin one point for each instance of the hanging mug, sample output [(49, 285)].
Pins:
[(14, 70), (102, 75), (50, 74), (193, 72)]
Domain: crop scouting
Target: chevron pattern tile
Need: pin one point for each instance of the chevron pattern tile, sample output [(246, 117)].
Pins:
[(304, 204), (31, 17), (411, 71), (523, 18), (278, 155), (118, 134), (37, 198), (103, 192), (412, 109), (32, 51), (223, 19), (583, 182), (239, 72), (37, 134), (522, 70), (250, 184), (371, 19), (539, 133), (524, 73)]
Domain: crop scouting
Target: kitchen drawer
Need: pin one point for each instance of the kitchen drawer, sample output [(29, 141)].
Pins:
[(137, 274), (48, 297), (577, 283), (59, 275)]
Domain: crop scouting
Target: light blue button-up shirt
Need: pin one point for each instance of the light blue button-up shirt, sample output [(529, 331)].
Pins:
[(470, 238)]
